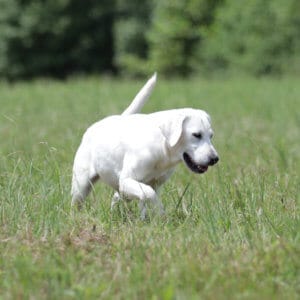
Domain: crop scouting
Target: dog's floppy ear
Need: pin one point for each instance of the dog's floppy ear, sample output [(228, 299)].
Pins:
[(173, 130)]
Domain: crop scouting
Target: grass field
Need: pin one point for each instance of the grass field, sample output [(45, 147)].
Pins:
[(233, 233)]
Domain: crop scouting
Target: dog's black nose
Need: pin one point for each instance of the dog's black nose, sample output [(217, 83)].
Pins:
[(213, 160)]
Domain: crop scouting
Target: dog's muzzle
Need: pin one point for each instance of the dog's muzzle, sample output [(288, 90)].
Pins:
[(193, 166), (198, 168), (213, 160)]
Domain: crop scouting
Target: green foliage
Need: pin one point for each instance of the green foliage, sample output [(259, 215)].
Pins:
[(55, 37), (177, 29), (258, 37), (131, 47), (179, 37)]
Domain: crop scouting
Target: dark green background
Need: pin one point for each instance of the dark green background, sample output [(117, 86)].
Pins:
[(59, 38)]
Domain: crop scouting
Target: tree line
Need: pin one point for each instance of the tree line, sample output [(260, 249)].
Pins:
[(175, 37)]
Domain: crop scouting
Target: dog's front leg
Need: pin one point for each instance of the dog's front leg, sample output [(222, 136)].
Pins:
[(131, 188)]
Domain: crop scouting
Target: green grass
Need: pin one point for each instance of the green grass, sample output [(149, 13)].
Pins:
[(232, 233)]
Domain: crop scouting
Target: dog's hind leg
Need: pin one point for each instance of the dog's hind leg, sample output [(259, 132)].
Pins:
[(115, 199), (84, 176), (81, 187), (82, 184)]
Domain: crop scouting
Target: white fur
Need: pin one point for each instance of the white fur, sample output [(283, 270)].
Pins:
[(136, 153)]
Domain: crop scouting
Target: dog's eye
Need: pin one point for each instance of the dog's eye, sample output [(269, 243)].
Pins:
[(198, 135)]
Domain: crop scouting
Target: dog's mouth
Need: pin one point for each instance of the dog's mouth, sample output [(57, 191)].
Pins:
[(197, 168)]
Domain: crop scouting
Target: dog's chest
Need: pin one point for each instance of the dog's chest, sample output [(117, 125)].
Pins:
[(158, 175)]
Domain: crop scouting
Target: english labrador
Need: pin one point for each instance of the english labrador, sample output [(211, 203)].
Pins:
[(136, 153)]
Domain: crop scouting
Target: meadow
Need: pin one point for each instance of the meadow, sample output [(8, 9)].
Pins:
[(233, 233)]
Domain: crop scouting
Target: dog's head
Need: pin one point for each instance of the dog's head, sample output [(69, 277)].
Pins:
[(190, 135)]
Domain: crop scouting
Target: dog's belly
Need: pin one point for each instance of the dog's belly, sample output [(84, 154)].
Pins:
[(110, 179), (108, 168), (110, 175)]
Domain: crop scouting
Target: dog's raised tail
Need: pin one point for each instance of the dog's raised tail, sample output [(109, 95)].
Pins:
[(142, 96)]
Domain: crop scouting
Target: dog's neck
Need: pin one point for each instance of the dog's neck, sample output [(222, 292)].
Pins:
[(173, 155)]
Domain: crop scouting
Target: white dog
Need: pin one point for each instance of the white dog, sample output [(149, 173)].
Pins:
[(136, 153)]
